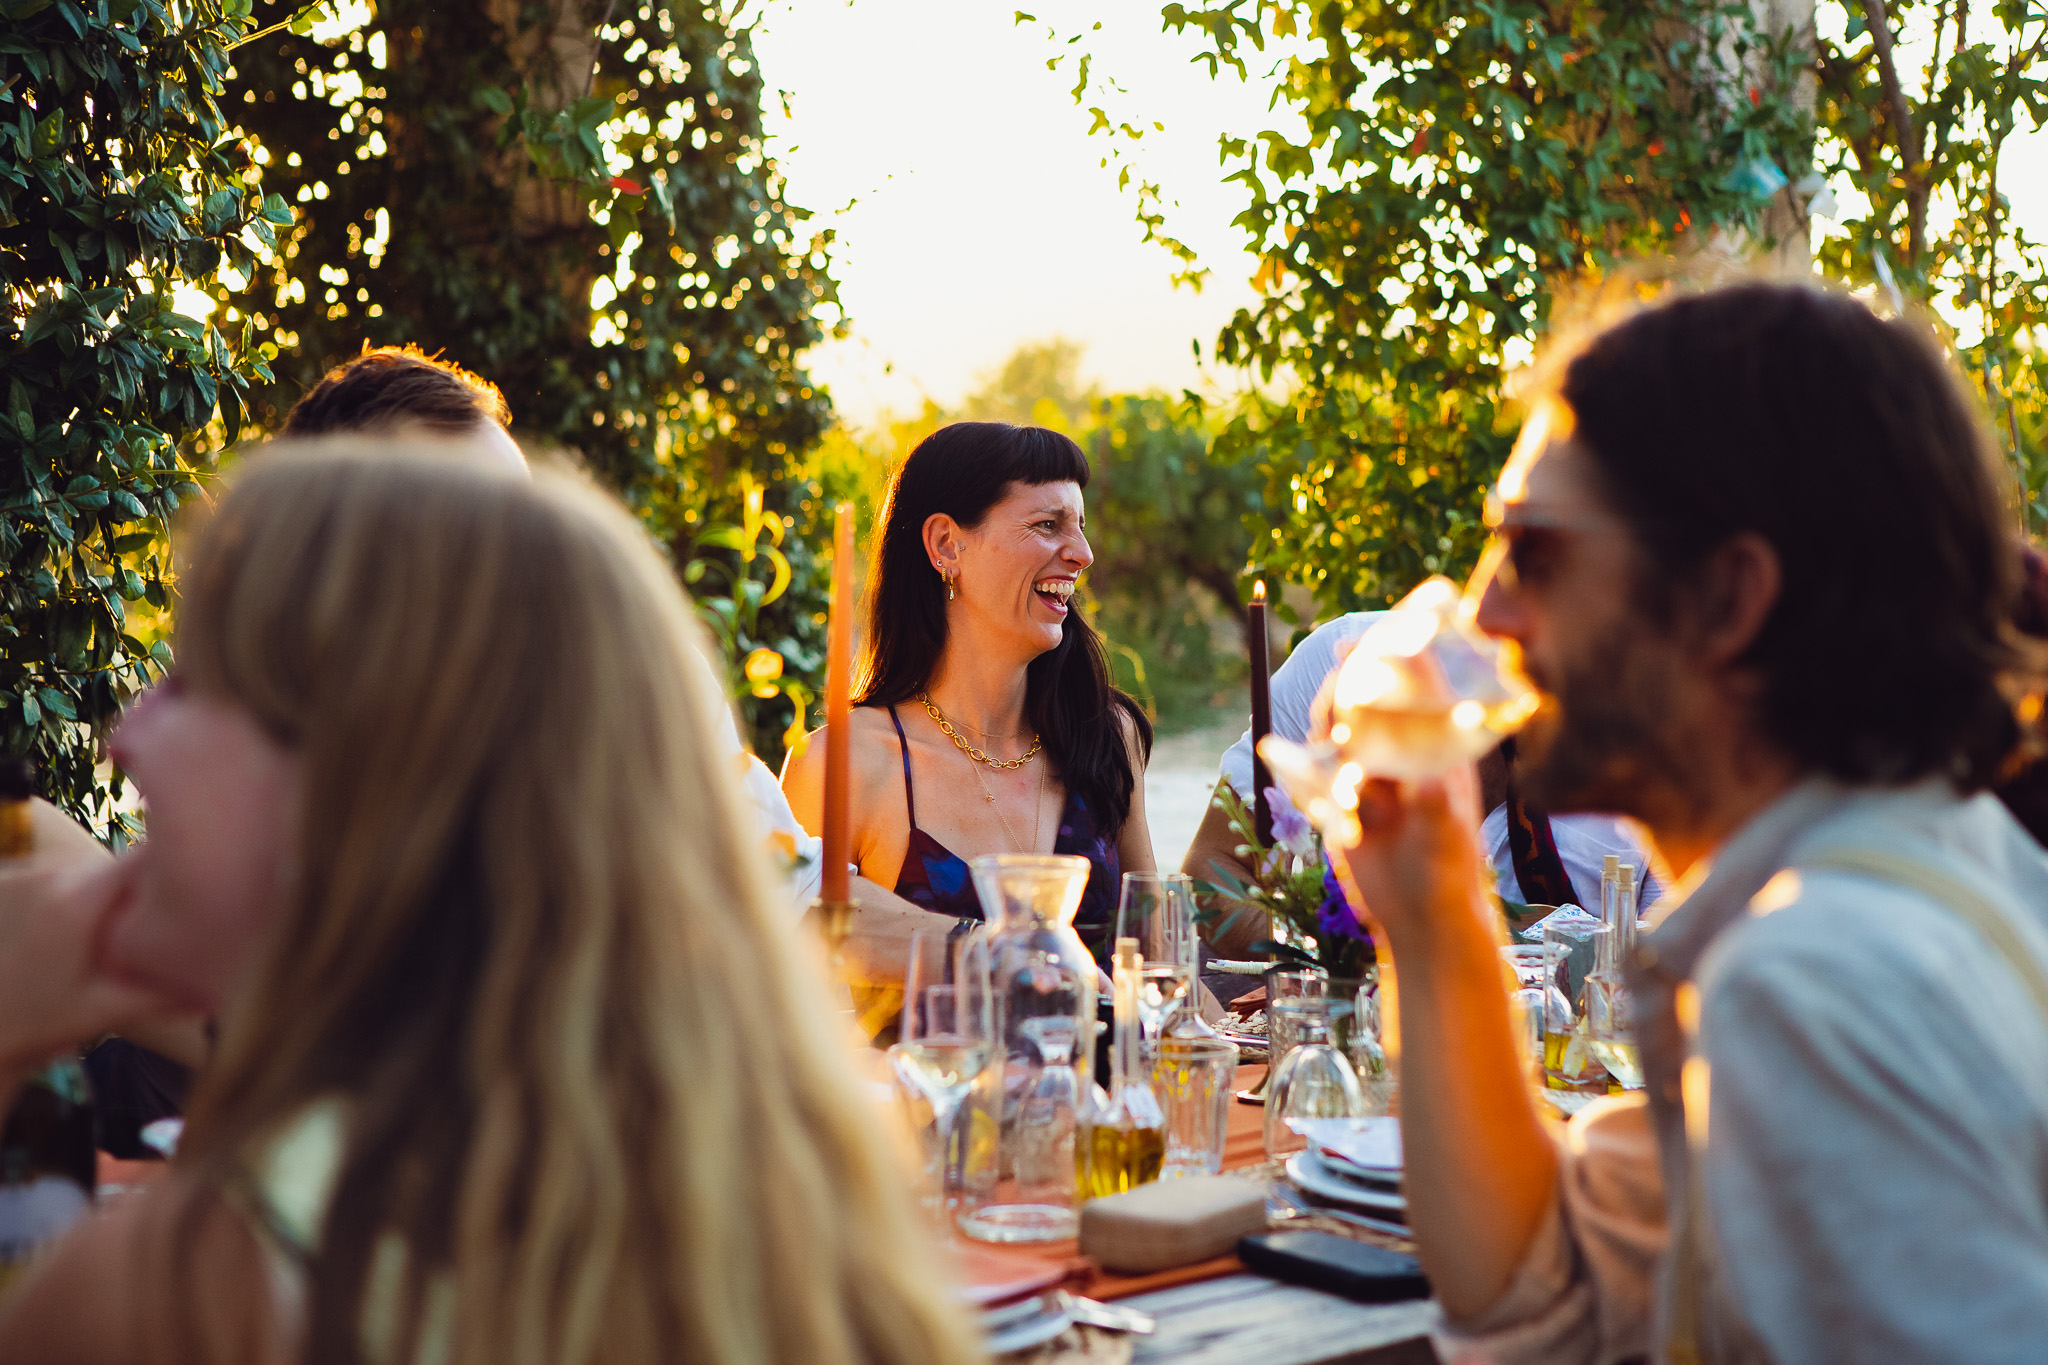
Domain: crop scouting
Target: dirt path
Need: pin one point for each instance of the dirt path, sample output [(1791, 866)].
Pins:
[(1177, 787)]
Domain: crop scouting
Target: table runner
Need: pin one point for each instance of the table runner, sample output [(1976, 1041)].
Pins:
[(1244, 1144)]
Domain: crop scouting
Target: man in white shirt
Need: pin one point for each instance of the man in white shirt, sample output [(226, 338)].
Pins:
[(1751, 553), (1583, 841)]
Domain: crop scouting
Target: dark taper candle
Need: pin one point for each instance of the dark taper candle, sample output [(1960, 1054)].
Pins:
[(1262, 711)]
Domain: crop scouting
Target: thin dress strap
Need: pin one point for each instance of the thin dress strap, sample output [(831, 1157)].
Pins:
[(903, 740)]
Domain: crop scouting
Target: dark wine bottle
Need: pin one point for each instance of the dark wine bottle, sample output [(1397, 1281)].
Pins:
[(47, 1151)]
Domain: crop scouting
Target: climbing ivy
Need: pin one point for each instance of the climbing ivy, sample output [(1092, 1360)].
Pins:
[(120, 184)]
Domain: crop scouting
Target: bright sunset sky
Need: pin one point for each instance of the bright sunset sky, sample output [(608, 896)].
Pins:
[(980, 217)]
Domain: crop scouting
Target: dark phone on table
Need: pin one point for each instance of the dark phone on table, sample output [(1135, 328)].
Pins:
[(1322, 1260)]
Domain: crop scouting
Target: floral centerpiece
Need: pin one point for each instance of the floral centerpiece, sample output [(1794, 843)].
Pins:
[(1294, 885)]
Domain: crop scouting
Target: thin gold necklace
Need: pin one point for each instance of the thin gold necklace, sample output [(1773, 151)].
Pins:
[(978, 755), (1037, 809)]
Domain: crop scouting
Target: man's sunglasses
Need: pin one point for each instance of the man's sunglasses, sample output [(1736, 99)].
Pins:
[(1528, 543)]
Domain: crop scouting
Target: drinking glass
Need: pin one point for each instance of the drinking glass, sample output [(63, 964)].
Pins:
[(1314, 1081), (1306, 988), (947, 1036), (1610, 1029), (1545, 1012), (1193, 1079), (1158, 910)]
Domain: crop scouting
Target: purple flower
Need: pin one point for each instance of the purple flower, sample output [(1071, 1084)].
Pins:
[(1291, 830), (1334, 917)]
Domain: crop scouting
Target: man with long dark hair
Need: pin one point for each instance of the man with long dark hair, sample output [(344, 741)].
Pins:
[(1751, 553)]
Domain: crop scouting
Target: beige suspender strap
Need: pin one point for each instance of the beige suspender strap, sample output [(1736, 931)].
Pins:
[(1986, 918)]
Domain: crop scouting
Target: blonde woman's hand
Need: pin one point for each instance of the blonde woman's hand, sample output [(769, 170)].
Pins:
[(54, 904), (1418, 859)]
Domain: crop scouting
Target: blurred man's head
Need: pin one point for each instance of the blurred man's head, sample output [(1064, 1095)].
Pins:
[(403, 392), (1755, 526)]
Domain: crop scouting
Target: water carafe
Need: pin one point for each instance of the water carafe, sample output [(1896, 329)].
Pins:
[(1044, 983)]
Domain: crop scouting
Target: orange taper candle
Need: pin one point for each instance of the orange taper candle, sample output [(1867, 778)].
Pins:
[(839, 707)]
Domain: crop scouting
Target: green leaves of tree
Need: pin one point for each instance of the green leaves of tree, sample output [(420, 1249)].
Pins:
[(120, 180), (587, 216), (1459, 158), (1919, 140)]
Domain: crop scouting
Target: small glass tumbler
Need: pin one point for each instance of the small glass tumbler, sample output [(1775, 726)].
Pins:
[(1547, 1016), (1193, 1079), (1314, 1080)]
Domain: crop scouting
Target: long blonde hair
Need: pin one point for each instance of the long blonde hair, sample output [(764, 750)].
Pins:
[(593, 1088)]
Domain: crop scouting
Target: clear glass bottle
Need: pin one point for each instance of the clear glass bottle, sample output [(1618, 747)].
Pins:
[(1044, 983), (1125, 1142), (1610, 1011)]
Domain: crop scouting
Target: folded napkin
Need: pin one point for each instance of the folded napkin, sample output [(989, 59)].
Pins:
[(1373, 1145)]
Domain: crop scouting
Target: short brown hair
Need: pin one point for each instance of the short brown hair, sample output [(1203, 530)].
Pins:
[(1847, 442), (389, 386)]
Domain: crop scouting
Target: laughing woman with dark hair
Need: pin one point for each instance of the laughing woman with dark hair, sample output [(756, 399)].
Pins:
[(985, 721)]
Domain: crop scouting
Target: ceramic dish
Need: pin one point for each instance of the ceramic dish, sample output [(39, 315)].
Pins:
[(1309, 1171), (1044, 1319)]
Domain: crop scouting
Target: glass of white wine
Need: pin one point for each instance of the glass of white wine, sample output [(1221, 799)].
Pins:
[(1158, 910), (1610, 1029), (946, 1037)]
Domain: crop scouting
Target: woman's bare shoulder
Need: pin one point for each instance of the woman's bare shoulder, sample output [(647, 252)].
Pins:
[(171, 1273), (1134, 740), (874, 744)]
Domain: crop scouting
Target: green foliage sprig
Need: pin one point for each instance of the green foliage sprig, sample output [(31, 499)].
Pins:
[(1287, 887), (736, 615), (120, 182)]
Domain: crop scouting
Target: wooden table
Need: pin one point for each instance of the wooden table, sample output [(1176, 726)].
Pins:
[(1215, 1313), (1250, 1320)]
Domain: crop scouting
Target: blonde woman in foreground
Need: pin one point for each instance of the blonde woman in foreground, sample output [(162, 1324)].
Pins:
[(520, 1061)]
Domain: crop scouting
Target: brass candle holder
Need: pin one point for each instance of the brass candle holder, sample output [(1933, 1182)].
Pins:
[(833, 921)]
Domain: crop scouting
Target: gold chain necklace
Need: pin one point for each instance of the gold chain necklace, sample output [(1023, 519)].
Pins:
[(978, 755), (1037, 808)]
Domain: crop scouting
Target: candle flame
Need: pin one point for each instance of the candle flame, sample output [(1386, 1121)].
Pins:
[(1259, 590)]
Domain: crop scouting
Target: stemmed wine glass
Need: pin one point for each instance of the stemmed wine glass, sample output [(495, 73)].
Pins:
[(1158, 910), (947, 1034)]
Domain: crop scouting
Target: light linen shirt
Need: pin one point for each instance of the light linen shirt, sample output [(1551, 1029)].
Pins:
[(797, 855), (1583, 841), (1863, 1120)]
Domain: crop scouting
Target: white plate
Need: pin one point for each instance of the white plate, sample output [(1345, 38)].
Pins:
[(1309, 1171), (1054, 1318)]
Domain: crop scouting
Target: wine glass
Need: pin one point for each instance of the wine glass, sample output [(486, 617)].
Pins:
[(947, 1034), (1315, 1080), (1158, 910)]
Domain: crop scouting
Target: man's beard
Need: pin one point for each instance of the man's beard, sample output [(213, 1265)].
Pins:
[(1602, 736)]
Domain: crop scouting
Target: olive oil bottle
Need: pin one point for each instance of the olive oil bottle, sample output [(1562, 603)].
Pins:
[(1125, 1143)]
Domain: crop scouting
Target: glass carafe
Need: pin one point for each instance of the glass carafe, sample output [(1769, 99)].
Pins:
[(1044, 983)]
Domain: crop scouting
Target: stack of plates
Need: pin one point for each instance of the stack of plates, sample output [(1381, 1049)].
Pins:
[(1355, 1163), (1025, 1323), (1337, 1183)]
